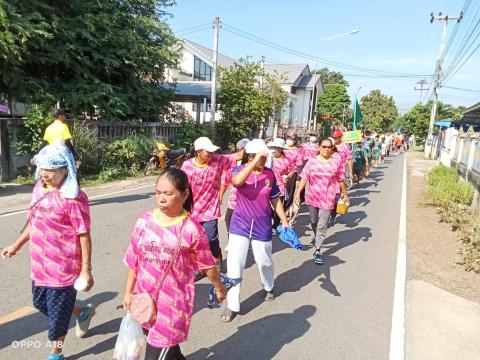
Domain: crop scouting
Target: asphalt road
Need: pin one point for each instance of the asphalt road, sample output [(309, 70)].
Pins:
[(341, 310)]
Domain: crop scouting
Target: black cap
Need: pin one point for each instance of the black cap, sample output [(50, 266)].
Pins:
[(59, 112)]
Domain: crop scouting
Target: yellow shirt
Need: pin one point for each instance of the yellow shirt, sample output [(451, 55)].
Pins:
[(57, 132)]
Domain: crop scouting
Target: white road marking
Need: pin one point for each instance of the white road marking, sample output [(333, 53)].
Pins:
[(397, 336), (90, 198)]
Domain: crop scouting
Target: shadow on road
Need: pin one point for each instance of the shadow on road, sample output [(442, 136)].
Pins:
[(13, 189), (95, 351), (36, 323), (282, 329)]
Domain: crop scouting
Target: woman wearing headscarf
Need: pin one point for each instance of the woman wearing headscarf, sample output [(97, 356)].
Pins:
[(60, 245)]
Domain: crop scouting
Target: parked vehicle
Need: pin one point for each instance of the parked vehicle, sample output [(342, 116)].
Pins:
[(163, 157)]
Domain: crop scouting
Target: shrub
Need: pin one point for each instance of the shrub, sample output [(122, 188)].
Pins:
[(126, 156), (453, 198), (190, 132), (30, 137), (89, 147), (445, 188)]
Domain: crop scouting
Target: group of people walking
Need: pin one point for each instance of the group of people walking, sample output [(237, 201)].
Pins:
[(178, 239)]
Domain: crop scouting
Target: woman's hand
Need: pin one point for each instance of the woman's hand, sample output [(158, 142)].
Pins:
[(258, 156), (296, 199), (87, 274), (127, 301), (221, 293), (345, 197), (10, 251)]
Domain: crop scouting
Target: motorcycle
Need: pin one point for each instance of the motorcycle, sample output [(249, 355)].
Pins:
[(163, 157)]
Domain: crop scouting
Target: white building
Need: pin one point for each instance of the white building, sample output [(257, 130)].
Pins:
[(193, 78)]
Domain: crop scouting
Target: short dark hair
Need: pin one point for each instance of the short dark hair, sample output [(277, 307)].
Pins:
[(59, 112)]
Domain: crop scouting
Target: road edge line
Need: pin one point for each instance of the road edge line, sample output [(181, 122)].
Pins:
[(397, 335)]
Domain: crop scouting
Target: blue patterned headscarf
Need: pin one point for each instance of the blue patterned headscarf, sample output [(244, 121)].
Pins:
[(57, 156)]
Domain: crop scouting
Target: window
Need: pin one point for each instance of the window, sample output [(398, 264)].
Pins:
[(202, 108), (202, 71)]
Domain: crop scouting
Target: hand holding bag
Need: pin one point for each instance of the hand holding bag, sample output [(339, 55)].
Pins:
[(143, 307)]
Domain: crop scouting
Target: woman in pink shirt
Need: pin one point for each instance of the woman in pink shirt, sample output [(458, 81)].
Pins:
[(323, 174), (60, 246), (155, 239), (283, 169)]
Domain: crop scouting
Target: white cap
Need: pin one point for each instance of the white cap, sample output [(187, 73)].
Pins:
[(256, 146), (277, 143), (204, 143)]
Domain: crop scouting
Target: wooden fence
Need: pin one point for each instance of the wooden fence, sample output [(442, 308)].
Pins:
[(11, 163)]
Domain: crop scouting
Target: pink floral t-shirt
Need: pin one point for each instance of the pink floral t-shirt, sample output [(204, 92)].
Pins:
[(295, 156), (309, 150), (55, 225), (205, 182), (232, 199), (281, 166), (322, 181), (151, 249)]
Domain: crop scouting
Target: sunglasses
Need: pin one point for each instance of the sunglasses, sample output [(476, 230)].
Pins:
[(326, 147)]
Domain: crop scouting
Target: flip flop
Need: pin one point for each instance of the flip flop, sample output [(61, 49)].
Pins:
[(228, 315)]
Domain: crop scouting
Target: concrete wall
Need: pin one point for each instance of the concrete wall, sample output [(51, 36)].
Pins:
[(463, 150)]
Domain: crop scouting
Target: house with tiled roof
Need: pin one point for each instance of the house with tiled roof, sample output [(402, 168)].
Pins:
[(193, 79)]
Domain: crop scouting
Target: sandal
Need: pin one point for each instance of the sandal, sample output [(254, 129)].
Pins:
[(228, 315)]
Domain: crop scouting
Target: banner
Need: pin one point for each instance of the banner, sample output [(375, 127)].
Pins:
[(350, 137)]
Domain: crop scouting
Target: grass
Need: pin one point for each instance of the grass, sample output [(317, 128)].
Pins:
[(453, 198)]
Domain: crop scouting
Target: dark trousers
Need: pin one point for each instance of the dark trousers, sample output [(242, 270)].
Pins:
[(171, 353), (211, 228), (228, 218), (276, 218)]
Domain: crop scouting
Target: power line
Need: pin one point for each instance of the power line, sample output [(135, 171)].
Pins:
[(302, 54), (192, 28), (460, 89)]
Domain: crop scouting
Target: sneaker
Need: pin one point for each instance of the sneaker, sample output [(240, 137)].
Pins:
[(83, 320), (55, 357), (318, 257), (269, 295)]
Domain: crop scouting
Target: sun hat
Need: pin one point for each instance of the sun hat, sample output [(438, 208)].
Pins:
[(242, 143), (57, 156), (204, 143), (337, 134), (277, 143), (255, 146)]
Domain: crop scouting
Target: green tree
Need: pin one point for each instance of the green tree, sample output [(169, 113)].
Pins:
[(247, 97), (417, 120), (379, 111), (331, 77), (333, 102), (97, 57)]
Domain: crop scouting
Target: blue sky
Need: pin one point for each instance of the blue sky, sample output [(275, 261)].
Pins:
[(394, 36)]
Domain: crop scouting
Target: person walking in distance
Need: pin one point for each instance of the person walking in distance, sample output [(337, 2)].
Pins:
[(59, 133), (345, 153), (58, 231), (227, 183), (204, 173), (322, 174), (257, 193), (283, 170), (165, 249), (310, 149)]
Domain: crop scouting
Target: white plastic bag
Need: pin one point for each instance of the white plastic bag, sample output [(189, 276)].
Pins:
[(131, 342)]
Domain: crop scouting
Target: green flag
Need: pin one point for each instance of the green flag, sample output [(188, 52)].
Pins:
[(357, 114)]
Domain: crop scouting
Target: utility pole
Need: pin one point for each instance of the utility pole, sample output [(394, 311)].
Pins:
[(216, 26), (423, 87), (438, 74)]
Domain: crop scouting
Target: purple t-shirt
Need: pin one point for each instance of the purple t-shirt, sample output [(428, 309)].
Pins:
[(252, 217)]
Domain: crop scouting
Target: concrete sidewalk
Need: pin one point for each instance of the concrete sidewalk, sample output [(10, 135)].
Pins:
[(14, 197), (440, 325)]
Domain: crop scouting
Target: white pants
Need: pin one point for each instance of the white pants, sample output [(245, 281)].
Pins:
[(237, 256)]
